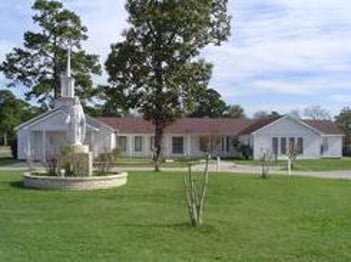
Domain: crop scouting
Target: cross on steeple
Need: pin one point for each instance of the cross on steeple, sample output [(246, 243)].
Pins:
[(67, 81)]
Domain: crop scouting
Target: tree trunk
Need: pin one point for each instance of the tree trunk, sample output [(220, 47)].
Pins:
[(5, 138), (158, 145)]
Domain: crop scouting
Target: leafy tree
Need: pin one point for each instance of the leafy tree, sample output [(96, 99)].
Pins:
[(116, 107), (40, 62), (234, 111), (343, 120), (13, 111), (208, 103), (295, 113), (265, 114), (316, 113), (154, 69)]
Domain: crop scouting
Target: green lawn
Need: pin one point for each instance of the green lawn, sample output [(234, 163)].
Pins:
[(7, 161), (308, 165), (6, 156), (246, 219)]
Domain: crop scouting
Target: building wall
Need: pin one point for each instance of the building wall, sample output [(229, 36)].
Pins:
[(287, 127), (191, 146), (31, 138), (335, 144)]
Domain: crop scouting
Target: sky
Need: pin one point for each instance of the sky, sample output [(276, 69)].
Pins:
[(282, 55)]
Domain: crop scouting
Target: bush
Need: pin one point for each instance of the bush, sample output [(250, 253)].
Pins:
[(346, 151), (105, 161), (13, 146)]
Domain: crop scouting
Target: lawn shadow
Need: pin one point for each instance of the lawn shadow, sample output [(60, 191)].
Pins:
[(17, 184), (183, 226), (158, 225)]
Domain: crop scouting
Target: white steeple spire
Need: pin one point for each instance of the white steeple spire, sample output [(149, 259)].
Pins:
[(69, 63), (67, 81)]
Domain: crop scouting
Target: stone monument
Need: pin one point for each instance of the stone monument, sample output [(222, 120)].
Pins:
[(80, 156)]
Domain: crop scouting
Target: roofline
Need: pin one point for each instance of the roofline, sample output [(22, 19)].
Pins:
[(323, 134), (292, 118), (102, 123), (41, 117), (55, 111), (28, 122)]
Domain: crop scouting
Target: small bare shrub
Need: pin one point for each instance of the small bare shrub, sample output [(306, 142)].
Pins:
[(52, 164), (106, 161), (196, 193), (266, 162)]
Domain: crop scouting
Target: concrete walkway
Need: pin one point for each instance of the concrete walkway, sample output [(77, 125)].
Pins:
[(225, 167)]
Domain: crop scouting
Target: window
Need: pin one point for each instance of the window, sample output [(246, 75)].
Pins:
[(152, 143), (275, 146), (283, 145), (122, 143), (223, 144), (138, 143), (300, 145), (178, 145), (228, 144)]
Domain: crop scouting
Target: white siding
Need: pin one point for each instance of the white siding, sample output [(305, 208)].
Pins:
[(334, 147), (191, 146), (287, 127), (55, 130)]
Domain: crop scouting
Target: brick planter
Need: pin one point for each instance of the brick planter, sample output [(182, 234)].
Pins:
[(74, 183)]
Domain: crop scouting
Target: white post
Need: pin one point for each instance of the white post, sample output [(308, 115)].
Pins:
[(44, 145), (218, 164)]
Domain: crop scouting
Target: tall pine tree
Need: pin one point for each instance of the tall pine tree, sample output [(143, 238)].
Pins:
[(40, 62), (155, 68)]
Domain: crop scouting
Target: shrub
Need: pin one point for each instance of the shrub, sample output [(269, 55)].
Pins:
[(13, 146), (105, 162), (52, 165)]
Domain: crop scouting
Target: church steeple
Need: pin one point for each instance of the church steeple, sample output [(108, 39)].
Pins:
[(67, 81)]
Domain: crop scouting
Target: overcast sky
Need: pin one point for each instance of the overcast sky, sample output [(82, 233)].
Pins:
[(282, 55)]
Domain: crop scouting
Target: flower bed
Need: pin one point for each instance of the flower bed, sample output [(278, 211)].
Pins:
[(40, 181)]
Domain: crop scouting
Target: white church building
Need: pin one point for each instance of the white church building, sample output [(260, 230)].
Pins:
[(46, 135)]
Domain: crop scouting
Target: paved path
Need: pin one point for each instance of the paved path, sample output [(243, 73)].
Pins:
[(225, 167)]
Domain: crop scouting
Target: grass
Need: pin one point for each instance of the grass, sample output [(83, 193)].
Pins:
[(6, 156), (246, 219), (325, 164), (4, 161)]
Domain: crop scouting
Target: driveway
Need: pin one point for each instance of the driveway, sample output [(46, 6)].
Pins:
[(224, 167)]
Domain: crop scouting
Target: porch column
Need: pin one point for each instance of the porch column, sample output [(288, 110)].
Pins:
[(92, 142), (28, 150), (43, 144), (130, 145), (188, 145), (167, 145)]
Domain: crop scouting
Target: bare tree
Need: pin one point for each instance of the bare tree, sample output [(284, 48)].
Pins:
[(295, 113), (266, 162), (293, 152), (316, 112)]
